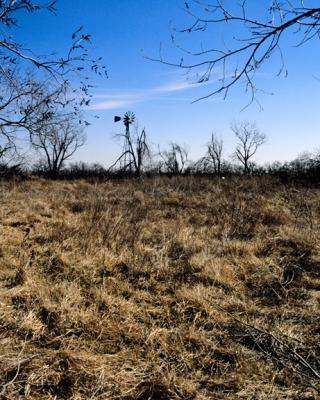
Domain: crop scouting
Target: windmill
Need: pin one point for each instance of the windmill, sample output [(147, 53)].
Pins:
[(128, 119)]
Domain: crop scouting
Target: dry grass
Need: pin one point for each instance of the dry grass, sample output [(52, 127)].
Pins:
[(163, 289)]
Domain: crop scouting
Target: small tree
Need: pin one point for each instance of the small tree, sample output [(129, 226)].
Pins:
[(175, 158), (250, 139), (214, 153), (57, 141)]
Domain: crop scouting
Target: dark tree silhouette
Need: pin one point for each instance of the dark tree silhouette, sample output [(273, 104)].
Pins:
[(174, 159), (252, 34), (250, 139), (56, 140), (214, 153)]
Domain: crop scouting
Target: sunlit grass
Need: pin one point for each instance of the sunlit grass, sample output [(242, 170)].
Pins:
[(177, 288)]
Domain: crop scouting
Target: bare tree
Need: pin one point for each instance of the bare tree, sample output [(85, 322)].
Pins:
[(250, 139), (175, 159), (56, 141), (136, 151), (251, 36), (214, 150), (23, 73)]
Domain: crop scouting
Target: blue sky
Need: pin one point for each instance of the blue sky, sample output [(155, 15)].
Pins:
[(124, 31)]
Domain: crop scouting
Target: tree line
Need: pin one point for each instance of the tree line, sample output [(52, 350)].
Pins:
[(61, 136), (139, 158)]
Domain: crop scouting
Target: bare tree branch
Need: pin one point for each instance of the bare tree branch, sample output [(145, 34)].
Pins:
[(257, 38)]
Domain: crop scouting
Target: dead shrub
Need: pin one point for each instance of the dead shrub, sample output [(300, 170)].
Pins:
[(236, 215)]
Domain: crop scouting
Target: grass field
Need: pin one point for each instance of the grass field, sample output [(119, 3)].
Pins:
[(177, 288)]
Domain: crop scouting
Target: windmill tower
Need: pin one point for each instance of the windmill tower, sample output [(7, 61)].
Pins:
[(128, 119)]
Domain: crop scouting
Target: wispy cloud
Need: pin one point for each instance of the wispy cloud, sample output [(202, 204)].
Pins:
[(119, 95), (110, 104), (174, 87), (120, 99)]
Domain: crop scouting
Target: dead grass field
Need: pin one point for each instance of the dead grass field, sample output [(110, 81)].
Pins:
[(177, 288)]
